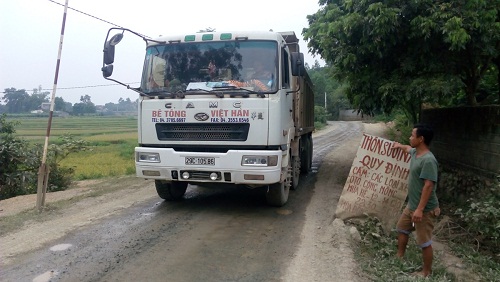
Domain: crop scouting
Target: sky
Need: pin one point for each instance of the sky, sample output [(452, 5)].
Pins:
[(30, 31)]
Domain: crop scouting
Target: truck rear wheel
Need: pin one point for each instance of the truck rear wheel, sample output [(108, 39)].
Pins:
[(277, 193), (295, 173), (306, 154), (170, 191)]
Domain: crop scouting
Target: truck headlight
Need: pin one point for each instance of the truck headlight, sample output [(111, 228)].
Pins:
[(147, 157), (259, 160)]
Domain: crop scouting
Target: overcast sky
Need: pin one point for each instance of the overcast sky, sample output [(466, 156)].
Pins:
[(30, 32)]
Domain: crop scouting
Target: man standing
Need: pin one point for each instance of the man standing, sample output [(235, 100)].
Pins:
[(423, 206)]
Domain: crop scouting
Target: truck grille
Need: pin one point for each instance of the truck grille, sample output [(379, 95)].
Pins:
[(202, 131)]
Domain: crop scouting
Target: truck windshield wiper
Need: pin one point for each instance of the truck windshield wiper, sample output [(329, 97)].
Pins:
[(160, 93), (197, 90), (244, 94), (201, 90), (167, 94)]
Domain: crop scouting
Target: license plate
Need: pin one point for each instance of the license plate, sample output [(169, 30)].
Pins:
[(200, 161)]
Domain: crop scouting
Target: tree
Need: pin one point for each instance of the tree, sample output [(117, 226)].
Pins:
[(404, 53), (59, 104), (15, 100), (85, 107), (327, 87), (35, 100), (19, 101)]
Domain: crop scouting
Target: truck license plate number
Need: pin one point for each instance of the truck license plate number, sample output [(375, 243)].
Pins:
[(200, 161)]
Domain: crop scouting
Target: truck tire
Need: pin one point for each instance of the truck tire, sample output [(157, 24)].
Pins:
[(173, 191), (277, 193), (295, 173), (306, 153)]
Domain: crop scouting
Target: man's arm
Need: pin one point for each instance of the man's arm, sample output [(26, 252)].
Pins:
[(424, 198), (397, 145)]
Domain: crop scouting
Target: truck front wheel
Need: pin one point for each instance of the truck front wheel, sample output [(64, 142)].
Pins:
[(277, 193), (170, 191)]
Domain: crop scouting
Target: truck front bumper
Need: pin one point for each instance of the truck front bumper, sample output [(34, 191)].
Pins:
[(169, 165)]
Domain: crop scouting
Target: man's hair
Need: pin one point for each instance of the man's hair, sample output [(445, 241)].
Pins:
[(425, 131)]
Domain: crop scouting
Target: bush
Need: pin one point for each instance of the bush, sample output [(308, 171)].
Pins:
[(319, 114), (15, 169), (481, 218), (20, 161), (401, 129)]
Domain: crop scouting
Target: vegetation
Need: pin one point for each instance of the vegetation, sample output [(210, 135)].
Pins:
[(328, 92), (402, 54), (20, 160), (18, 101), (469, 224), (377, 257)]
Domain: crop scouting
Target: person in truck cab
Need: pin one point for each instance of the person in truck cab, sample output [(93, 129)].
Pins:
[(260, 76)]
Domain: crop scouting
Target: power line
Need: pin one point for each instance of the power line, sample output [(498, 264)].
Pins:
[(77, 87), (89, 15)]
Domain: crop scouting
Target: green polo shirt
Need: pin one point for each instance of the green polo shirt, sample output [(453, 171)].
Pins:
[(421, 168)]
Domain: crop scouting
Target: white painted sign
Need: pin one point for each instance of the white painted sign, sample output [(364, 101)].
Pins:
[(377, 184)]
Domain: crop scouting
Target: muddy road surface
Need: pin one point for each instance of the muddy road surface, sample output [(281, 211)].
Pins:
[(223, 234)]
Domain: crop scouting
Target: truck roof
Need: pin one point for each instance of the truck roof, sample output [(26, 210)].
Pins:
[(287, 36)]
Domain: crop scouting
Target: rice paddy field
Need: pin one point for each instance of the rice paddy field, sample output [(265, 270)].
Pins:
[(111, 139)]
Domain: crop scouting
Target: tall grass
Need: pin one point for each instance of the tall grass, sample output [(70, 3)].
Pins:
[(111, 139)]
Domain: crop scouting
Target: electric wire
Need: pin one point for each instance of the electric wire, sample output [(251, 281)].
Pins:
[(87, 86), (92, 16), (75, 87)]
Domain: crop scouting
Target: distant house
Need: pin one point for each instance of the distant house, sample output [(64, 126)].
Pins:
[(45, 106), (100, 108), (37, 112)]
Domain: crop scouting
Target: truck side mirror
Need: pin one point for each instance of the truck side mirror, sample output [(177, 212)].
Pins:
[(109, 54), (107, 71), (109, 48), (298, 68)]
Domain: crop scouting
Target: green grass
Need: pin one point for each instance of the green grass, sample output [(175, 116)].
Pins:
[(376, 254), (87, 128), (111, 140)]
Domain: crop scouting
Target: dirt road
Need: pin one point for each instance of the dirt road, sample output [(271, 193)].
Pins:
[(119, 230)]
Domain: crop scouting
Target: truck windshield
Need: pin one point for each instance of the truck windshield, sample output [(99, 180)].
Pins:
[(211, 66)]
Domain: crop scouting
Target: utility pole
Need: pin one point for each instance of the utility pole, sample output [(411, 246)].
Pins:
[(43, 170), (325, 102)]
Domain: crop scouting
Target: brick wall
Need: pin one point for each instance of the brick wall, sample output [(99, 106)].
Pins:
[(468, 137)]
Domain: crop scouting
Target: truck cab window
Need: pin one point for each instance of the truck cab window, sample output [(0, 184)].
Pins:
[(285, 77)]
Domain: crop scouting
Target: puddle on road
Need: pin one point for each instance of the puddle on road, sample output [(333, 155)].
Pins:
[(60, 247), (284, 212), (46, 276)]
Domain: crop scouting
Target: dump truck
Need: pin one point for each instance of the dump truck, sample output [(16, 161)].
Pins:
[(219, 108)]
